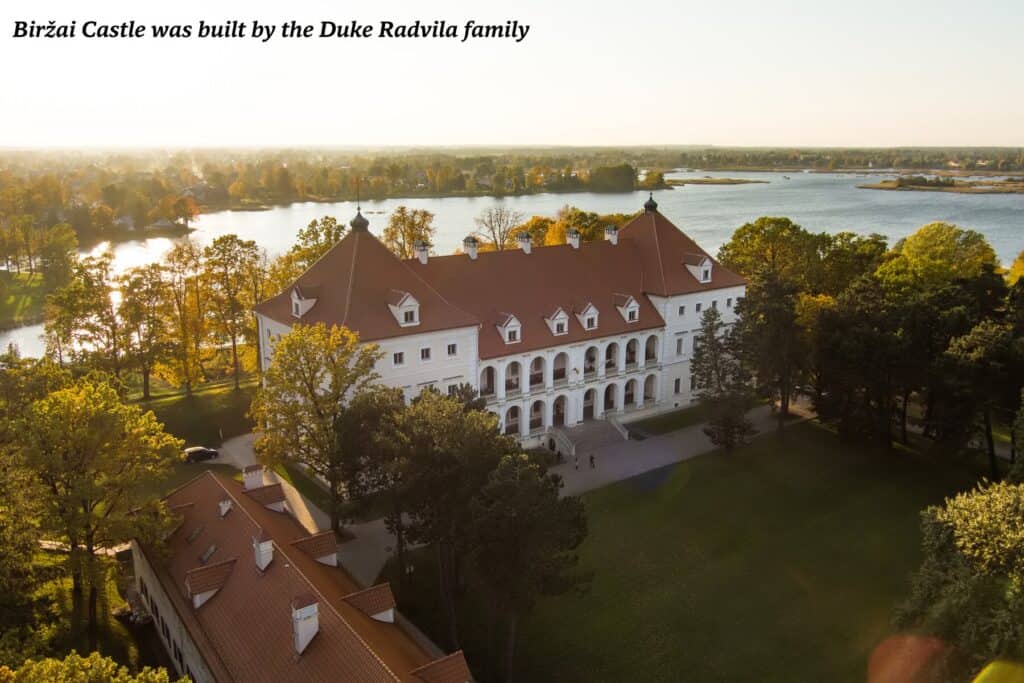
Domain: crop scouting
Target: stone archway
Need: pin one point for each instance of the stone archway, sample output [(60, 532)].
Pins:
[(589, 404), (610, 396), (536, 416), (560, 411), (512, 421), (487, 381)]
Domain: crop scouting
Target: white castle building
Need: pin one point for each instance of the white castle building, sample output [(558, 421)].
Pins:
[(552, 336)]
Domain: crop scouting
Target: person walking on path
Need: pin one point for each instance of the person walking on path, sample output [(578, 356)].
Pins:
[(576, 460), (591, 461)]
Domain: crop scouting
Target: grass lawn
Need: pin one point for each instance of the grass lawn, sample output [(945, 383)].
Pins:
[(213, 413), (781, 561), (23, 299), (304, 484)]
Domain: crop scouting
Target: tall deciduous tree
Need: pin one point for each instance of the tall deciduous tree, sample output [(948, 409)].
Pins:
[(300, 407), (525, 539), (937, 254), (186, 304), (406, 227), (228, 264), (95, 460), (144, 316), (776, 245), (496, 225), (722, 381)]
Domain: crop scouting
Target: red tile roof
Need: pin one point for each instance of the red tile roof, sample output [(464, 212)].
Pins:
[(664, 251), (266, 495), (208, 578), (245, 632), (357, 278), (318, 545), (450, 669), (372, 600)]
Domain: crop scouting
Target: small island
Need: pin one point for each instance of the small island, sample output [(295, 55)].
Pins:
[(920, 183), (707, 180)]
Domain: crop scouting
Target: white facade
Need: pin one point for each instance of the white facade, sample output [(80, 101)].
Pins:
[(177, 642), (630, 375)]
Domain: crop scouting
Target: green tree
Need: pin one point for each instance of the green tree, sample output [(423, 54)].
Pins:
[(185, 305), (300, 407), (312, 242), (776, 245), (58, 252), (1016, 271), (537, 227), (722, 381), (525, 538), (937, 254), (95, 460), (451, 453), (145, 319), (969, 589), (78, 669), (406, 227), (228, 265)]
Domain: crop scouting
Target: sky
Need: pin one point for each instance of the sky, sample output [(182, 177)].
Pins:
[(659, 72)]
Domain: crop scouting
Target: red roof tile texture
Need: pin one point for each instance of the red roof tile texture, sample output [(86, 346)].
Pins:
[(358, 277), (245, 632), (210, 577), (450, 669), (267, 495), (318, 545), (372, 600)]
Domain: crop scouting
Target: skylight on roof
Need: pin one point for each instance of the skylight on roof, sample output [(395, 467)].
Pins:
[(208, 553), (195, 533)]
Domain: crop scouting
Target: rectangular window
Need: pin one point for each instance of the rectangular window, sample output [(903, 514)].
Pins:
[(513, 335), (410, 316), (591, 323), (682, 311), (425, 353), (679, 385), (714, 303), (728, 302), (295, 308), (453, 349), (559, 328), (698, 308), (453, 389), (632, 316), (679, 346), (705, 276), (398, 359)]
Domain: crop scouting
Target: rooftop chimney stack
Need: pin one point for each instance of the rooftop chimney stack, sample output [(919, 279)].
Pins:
[(252, 477), (572, 236), (611, 233), (524, 241), (470, 245), (305, 621), (422, 250), (263, 550)]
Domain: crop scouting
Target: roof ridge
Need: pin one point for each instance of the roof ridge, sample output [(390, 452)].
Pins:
[(316, 591), (351, 276), (657, 246)]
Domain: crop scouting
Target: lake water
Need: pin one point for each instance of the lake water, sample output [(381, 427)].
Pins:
[(709, 213)]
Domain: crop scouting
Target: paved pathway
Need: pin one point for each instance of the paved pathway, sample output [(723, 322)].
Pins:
[(364, 556), (626, 459)]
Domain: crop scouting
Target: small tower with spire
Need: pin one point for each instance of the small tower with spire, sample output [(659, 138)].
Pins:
[(359, 222), (650, 206)]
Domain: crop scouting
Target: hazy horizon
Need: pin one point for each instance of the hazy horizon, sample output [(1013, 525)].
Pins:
[(789, 74)]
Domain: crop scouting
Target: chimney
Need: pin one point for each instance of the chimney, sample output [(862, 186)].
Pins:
[(252, 477), (524, 241), (611, 233), (263, 550), (572, 236), (470, 245), (422, 251), (305, 621)]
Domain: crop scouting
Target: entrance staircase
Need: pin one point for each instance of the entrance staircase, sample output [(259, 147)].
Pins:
[(586, 437)]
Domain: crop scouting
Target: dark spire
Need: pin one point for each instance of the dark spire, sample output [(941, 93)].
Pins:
[(359, 223), (650, 205)]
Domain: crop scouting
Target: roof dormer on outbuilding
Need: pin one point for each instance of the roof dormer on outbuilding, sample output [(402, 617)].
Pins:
[(404, 307), (699, 265), (303, 299)]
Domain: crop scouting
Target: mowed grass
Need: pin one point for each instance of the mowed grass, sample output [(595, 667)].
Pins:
[(779, 562), (213, 413)]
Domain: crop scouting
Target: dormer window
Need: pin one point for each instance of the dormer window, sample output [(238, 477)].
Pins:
[(588, 317), (628, 307), (699, 265), (404, 307), (558, 322), (510, 328), (303, 299)]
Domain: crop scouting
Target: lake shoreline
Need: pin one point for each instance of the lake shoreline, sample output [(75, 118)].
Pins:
[(963, 187)]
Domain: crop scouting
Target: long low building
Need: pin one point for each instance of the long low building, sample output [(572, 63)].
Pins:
[(552, 336), (242, 592)]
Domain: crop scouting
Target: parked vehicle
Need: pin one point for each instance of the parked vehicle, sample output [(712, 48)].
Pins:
[(199, 453)]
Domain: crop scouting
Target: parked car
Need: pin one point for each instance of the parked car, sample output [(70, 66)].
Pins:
[(199, 453)]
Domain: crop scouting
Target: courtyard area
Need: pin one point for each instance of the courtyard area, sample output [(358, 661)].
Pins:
[(781, 561)]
